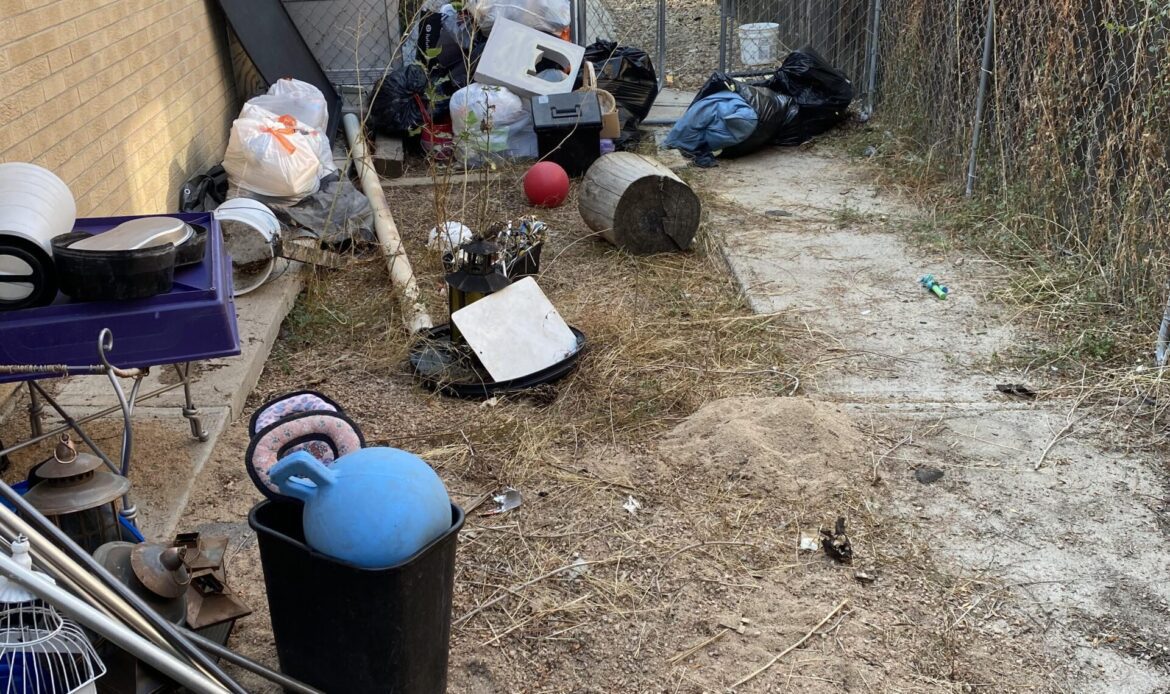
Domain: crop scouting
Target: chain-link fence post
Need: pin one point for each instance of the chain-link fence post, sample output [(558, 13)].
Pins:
[(981, 98), (871, 60)]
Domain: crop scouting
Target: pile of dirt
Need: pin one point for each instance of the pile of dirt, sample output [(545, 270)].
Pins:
[(788, 448)]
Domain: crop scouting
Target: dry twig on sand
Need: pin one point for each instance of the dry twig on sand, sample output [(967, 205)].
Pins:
[(794, 646)]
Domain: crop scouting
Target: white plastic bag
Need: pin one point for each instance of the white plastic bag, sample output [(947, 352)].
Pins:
[(491, 124), (305, 103), (550, 16), (272, 155)]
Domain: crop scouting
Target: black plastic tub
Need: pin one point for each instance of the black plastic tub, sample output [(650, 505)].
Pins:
[(342, 628), (112, 275), (453, 370)]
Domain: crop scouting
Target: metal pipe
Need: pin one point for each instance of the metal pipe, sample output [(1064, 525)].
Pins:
[(871, 78), (661, 57), (401, 275), (115, 631), (581, 22), (289, 684), (100, 583), (988, 40), (723, 35)]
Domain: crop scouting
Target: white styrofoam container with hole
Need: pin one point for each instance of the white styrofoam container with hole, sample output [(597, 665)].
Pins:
[(511, 53)]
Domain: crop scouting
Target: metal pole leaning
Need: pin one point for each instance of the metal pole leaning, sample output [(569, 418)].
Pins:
[(661, 44), (723, 7), (872, 59), (980, 100)]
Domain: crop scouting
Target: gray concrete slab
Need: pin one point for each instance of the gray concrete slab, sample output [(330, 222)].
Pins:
[(1044, 497), (669, 106)]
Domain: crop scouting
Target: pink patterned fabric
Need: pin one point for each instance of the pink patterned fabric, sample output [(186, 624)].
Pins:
[(271, 446), (302, 402)]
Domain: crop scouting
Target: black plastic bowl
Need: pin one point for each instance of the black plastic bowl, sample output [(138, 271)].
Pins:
[(112, 275), (191, 252)]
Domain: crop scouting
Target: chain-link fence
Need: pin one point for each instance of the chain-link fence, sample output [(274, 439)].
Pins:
[(353, 40), (628, 22), (1075, 122), (755, 35)]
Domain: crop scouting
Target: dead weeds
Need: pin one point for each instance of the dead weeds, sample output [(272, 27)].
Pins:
[(699, 583)]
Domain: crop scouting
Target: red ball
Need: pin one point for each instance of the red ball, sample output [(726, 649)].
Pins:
[(546, 184)]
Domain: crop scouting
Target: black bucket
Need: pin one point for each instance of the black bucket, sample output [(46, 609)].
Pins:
[(342, 628)]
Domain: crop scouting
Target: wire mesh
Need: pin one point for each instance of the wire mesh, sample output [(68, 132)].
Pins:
[(628, 22), (1074, 140), (41, 652), (755, 35), (353, 40)]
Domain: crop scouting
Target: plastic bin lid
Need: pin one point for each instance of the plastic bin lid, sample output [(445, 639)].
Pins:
[(566, 110)]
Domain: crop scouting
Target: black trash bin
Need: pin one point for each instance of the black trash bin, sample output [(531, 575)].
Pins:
[(349, 630)]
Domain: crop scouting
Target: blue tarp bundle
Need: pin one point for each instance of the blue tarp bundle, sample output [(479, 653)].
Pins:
[(713, 123)]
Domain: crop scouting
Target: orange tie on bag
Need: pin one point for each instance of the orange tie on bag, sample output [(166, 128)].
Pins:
[(289, 128)]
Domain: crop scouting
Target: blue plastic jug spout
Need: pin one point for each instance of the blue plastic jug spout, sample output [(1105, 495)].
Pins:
[(301, 464)]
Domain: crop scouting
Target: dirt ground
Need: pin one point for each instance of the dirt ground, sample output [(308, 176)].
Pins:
[(690, 410), (1028, 493)]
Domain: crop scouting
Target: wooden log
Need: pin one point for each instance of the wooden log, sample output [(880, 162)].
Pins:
[(638, 204)]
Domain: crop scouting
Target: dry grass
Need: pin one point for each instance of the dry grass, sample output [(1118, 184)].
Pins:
[(571, 592), (1083, 343), (1072, 175)]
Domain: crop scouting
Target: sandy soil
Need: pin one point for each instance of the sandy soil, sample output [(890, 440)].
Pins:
[(724, 490)]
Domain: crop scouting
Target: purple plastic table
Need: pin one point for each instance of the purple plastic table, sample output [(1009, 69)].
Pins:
[(196, 320)]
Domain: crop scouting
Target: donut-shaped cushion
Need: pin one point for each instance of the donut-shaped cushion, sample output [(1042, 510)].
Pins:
[(324, 435), (290, 403)]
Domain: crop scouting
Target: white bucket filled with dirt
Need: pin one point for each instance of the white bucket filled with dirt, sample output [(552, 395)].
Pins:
[(759, 43), (251, 233)]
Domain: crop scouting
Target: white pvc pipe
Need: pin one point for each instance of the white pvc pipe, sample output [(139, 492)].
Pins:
[(113, 630), (401, 275)]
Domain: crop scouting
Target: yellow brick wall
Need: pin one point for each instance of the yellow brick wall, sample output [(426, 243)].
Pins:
[(123, 99)]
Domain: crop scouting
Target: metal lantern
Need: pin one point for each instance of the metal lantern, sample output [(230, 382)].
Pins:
[(477, 276), (79, 496)]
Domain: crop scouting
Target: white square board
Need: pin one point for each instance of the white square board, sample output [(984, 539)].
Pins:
[(516, 331)]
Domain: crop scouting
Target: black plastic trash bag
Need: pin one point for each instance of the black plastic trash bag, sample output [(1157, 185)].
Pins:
[(395, 109), (775, 112), (628, 74), (822, 92), (202, 193), (400, 106), (449, 46), (811, 81)]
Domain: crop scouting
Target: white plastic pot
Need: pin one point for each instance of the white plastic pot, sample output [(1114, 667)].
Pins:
[(759, 43), (250, 233), (35, 206)]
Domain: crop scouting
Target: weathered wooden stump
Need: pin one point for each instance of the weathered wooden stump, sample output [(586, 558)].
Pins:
[(638, 204)]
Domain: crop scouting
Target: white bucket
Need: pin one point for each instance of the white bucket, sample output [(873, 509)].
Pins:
[(250, 233), (759, 43), (35, 206)]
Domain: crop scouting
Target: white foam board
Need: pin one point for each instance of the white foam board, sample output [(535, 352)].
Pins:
[(516, 331)]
